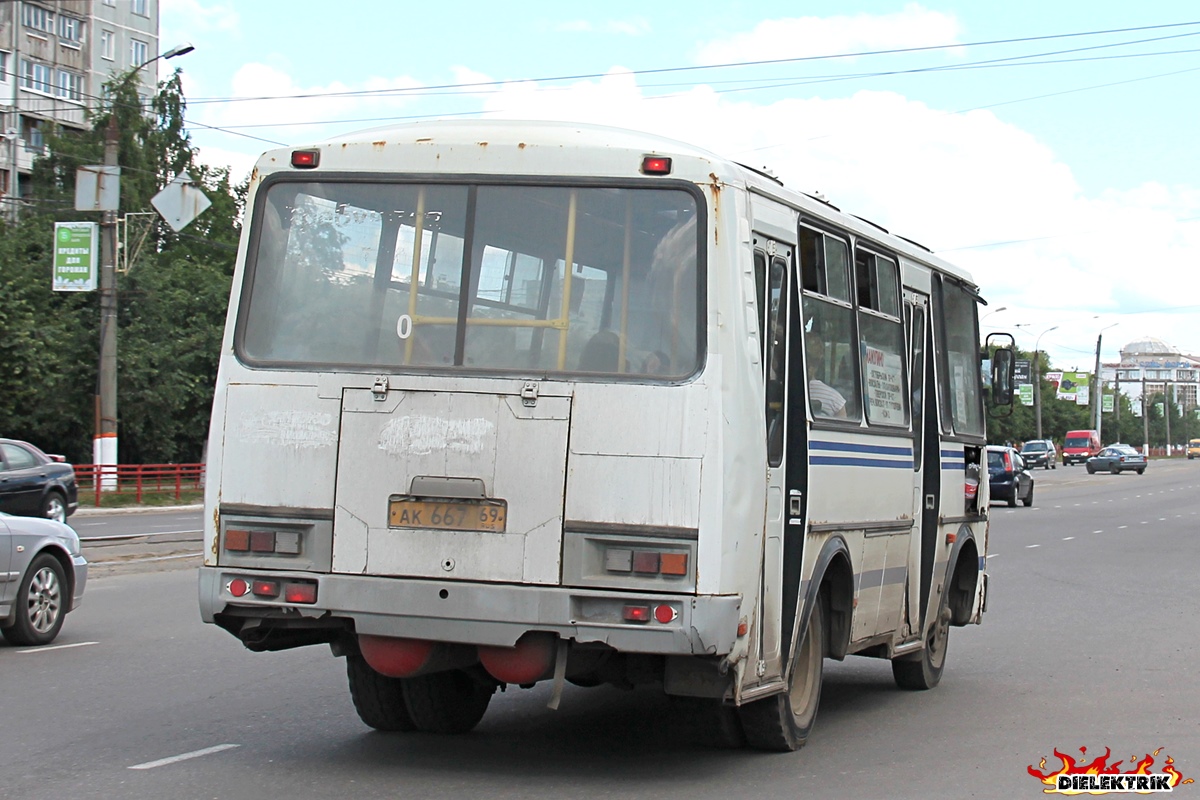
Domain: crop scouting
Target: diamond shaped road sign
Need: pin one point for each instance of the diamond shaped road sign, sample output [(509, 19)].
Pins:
[(180, 202)]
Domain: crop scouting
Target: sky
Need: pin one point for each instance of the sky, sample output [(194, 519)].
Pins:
[(1049, 148)]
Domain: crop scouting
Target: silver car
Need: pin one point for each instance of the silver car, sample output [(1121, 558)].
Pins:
[(42, 575)]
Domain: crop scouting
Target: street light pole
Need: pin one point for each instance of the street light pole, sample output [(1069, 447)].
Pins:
[(1037, 379), (1098, 388), (104, 444)]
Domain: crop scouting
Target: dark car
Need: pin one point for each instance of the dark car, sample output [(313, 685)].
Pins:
[(1008, 479), (46, 574), (1117, 458), (33, 484), (1040, 453)]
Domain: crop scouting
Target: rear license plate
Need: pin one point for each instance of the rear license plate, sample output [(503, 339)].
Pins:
[(489, 516)]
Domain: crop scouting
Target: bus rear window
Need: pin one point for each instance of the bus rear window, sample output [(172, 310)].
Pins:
[(461, 277)]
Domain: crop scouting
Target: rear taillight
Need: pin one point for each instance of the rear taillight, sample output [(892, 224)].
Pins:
[(1008, 464), (645, 562)]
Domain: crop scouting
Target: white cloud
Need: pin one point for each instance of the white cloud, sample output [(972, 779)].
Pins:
[(914, 26), (196, 18), (951, 181)]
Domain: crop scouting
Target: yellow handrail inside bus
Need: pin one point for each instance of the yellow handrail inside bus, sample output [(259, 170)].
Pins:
[(568, 259), (418, 230)]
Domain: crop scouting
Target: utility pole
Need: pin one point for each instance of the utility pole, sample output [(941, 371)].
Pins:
[(1037, 379), (104, 446), (1145, 417)]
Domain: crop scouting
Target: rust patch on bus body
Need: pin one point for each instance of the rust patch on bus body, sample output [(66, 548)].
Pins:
[(379, 145), (520, 145), (482, 144), (715, 185)]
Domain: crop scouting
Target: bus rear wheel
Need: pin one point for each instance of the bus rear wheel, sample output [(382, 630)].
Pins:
[(378, 699), (924, 670), (784, 721), (452, 701)]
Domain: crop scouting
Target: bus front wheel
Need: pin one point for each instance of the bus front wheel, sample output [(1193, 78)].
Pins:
[(785, 721), (924, 670)]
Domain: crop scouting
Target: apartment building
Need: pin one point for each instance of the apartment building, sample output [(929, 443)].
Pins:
[(55, 57)]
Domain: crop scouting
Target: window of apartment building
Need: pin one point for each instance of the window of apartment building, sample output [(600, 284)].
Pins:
[(140, 7), (37, 18), (70, 86), (70, 29), (107, 44), (138, 53), (4, 67), (32, 134), (36, 77), (110, 2)]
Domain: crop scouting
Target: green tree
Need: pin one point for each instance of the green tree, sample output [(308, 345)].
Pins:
[(171, 303)]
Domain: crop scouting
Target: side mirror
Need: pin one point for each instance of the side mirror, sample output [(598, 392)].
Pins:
[(1003, 369)]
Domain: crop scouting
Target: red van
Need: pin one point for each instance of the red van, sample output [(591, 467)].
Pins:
[(1079, 446)]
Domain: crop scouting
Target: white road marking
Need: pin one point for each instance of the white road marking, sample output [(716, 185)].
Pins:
[(991, 555), (1122, 527), (1068, 538), (1097, 531), (162, 762), (56, 647), (1028, 546)]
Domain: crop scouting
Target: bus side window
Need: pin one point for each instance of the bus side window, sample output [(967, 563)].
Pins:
[(882, 336)]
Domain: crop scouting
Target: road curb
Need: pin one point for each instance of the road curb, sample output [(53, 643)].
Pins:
[(92, 512)]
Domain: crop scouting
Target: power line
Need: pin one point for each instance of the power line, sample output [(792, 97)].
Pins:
[(669, 70)]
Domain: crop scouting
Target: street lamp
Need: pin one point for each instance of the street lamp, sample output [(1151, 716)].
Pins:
[(104, 444), (1037, 379), (1098, 389)]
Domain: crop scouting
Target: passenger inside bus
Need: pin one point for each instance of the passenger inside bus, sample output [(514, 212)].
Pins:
[(826, 401)]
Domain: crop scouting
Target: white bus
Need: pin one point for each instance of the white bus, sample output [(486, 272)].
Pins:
[(506, 402)]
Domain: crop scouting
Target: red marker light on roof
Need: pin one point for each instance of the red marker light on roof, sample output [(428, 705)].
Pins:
[(656, 165), (306, 159)]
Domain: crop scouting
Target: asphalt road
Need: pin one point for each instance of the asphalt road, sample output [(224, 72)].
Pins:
[(1089, 641)]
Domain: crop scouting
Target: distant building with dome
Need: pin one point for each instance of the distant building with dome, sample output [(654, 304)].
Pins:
[(1158, 364)]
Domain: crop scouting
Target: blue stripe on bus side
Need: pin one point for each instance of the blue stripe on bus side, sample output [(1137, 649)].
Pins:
[(860, 455), (953, 460), (874, 449), (850, 461)]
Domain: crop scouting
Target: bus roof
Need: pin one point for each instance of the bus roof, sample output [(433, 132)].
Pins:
[(619, 151)]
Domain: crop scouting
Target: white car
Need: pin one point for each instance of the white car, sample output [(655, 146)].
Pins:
[(42, 575)]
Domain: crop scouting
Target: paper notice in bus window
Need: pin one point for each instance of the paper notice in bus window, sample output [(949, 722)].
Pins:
[(885, 386)]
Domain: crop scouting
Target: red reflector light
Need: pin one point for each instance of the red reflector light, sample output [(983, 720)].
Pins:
[(674, 563), (300, 592), (262, 541), (265, 588), (636, 613), (238, 587), (237, 540), (656, 165), (645, 562), (665, 614), (306, 159)]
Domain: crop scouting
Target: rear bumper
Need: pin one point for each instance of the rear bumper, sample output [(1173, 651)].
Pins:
[(480, 613)]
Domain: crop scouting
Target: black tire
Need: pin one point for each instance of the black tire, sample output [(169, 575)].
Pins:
[(41, 604), (1012, 501), (54, 506), (708, 722), (1028, 501), (923, 670), (774, 723), (1090, 470), (1114, 469), (378, 699), (447, 702), (1141, 471)]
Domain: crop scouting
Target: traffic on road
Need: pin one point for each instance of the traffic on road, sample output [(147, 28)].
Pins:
[(1070, 659)]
